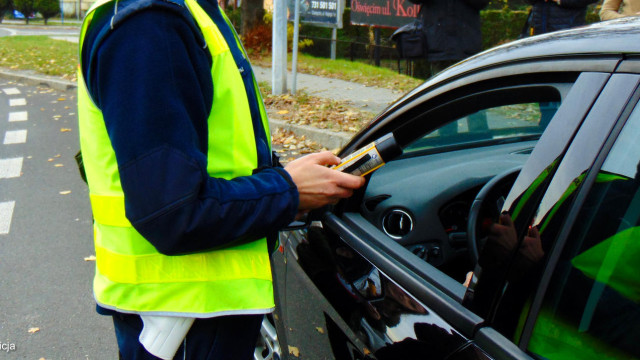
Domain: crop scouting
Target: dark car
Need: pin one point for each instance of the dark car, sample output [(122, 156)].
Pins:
[(508, 228)]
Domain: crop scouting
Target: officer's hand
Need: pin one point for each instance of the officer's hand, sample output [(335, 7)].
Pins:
[(319, 185)]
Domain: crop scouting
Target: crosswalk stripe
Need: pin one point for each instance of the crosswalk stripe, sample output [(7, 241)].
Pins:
[(15, 137), (11, 91), (18, 116), (10, 168), (17, 102), (6, 213)]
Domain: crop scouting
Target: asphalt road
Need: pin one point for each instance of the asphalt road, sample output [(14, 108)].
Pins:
[(46, 304), (12, 28)]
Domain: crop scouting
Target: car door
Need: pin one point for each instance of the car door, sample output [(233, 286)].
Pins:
[(561, 217), (352, 291)]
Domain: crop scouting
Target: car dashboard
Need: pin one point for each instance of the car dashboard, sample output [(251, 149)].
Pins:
[(423, 201)]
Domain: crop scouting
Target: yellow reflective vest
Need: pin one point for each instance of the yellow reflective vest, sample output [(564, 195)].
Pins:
[(131, 275)]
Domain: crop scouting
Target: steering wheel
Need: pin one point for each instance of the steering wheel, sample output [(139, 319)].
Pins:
[(494, 189)]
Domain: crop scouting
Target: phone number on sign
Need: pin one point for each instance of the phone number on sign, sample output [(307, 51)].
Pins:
[(324, 5)]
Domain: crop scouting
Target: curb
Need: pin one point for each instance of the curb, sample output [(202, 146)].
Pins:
[(328, 139), (37, 79)]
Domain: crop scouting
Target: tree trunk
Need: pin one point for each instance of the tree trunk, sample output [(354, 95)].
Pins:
[(252, 13)]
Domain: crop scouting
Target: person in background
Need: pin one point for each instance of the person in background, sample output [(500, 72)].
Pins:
[(453, 32), (614, 9), (553, 15)]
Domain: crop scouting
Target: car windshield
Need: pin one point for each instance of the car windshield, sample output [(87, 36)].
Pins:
[(502, 124)]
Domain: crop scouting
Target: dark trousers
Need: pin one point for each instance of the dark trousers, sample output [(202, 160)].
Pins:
[(226, 337)]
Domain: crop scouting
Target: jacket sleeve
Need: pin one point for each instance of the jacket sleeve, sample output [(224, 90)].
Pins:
[(610, 9), (153, 84)]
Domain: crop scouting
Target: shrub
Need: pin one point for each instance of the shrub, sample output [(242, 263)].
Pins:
[(5, 5), (500, 26), (47, 8), (258, 38)]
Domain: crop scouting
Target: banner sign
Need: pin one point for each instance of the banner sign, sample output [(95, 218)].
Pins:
[(384, 13), (326, 13)]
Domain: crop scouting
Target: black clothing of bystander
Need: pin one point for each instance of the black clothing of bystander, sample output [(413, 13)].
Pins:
[(452, 28), (548, 15)]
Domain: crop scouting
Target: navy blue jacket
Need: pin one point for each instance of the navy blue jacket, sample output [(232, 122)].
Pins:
[(452, 28), (148, 70), (547, 16)]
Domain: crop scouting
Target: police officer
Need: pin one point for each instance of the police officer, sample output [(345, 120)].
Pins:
[(185, 196)]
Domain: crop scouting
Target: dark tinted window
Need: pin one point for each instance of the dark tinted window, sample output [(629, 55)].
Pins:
[(591, 309)]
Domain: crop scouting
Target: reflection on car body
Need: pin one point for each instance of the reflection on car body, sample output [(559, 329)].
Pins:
[(520, 166)]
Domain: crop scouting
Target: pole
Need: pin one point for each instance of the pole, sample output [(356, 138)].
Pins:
[(279, 48), (376, 50), (334, 39), (294, 56)]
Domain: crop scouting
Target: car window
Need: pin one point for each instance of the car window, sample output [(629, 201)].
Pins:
[(592, 307), (512, 122), (521, 243)]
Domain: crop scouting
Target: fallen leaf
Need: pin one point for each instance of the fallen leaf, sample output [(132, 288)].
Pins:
[(366, 351), (90, 258), (65, 192), (34, 330), (62, 99), (282, 112), (320, 330), (294, 351), (65, 130), (50, 159), (58, 165)]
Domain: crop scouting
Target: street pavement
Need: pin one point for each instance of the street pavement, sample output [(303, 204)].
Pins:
[(46, 304)]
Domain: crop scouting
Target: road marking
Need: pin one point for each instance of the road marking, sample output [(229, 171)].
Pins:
[(10, 168), (18, 116), (17, 102), (11, 91), (15, 137), (6, 213)]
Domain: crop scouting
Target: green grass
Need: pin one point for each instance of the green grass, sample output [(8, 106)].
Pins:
[(350, 71), (41, 54), (357, 72)]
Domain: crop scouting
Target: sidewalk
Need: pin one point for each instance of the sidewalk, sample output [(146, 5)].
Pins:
[(364, 97), (361, 96)]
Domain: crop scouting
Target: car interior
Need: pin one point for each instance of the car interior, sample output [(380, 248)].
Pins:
[(461, 157), (423, 199)]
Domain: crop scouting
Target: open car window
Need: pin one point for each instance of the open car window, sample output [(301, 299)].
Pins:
[(500, 124)]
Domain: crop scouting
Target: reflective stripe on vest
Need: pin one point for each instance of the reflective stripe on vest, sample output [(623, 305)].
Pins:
[(131, 275)]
